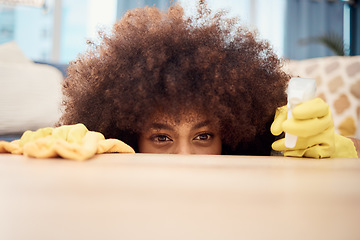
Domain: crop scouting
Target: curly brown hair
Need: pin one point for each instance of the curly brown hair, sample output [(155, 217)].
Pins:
[(156, 60)]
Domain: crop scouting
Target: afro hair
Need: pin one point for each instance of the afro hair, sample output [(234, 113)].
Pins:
[(156, 60)]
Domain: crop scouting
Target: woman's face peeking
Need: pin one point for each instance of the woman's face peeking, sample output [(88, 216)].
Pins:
[(193, 134)]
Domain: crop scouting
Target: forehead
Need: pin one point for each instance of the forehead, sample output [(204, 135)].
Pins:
[(185, 117)]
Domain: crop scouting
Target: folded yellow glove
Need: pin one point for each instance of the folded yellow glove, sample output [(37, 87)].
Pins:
[(313, 125), (70, 141)]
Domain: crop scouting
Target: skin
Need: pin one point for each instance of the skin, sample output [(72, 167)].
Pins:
[(191, 135)]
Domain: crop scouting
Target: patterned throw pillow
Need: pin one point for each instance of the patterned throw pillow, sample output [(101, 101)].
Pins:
[(338, 83)]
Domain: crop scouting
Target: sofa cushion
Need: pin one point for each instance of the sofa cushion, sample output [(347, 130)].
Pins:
[(30, 93), (338, 83)]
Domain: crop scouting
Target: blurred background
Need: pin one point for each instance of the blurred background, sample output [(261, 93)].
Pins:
[(57, 30)]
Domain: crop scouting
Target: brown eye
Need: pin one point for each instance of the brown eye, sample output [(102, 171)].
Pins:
[(204, 137), (160, 138)]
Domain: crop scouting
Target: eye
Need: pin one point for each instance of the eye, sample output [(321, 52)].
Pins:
[(204, 136), (160, 138)]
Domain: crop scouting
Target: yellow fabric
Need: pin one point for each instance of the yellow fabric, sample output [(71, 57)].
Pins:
[(313, 124), (74, 142)]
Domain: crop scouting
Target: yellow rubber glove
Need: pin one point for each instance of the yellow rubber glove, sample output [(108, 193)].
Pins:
[(69, 141), (313, 124)]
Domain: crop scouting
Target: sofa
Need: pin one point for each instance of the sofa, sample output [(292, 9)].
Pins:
[(30, 93)]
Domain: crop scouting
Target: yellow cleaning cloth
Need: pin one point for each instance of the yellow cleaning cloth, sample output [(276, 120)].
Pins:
[(74, 142)]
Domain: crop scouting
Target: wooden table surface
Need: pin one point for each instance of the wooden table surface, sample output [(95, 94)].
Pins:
[(150, 196)]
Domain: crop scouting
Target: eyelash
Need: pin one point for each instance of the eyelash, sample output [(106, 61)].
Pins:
[(156, 138), (209, 136)]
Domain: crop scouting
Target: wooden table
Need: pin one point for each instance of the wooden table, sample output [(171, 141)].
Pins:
[(149, 196)]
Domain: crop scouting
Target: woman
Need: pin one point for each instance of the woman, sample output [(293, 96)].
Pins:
[(166, 83)]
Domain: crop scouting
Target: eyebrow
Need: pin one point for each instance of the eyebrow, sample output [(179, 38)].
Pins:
[(201, 124), (157, 125), (161, 126)]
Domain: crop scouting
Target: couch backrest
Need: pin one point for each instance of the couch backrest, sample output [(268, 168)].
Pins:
[(30, 94)]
